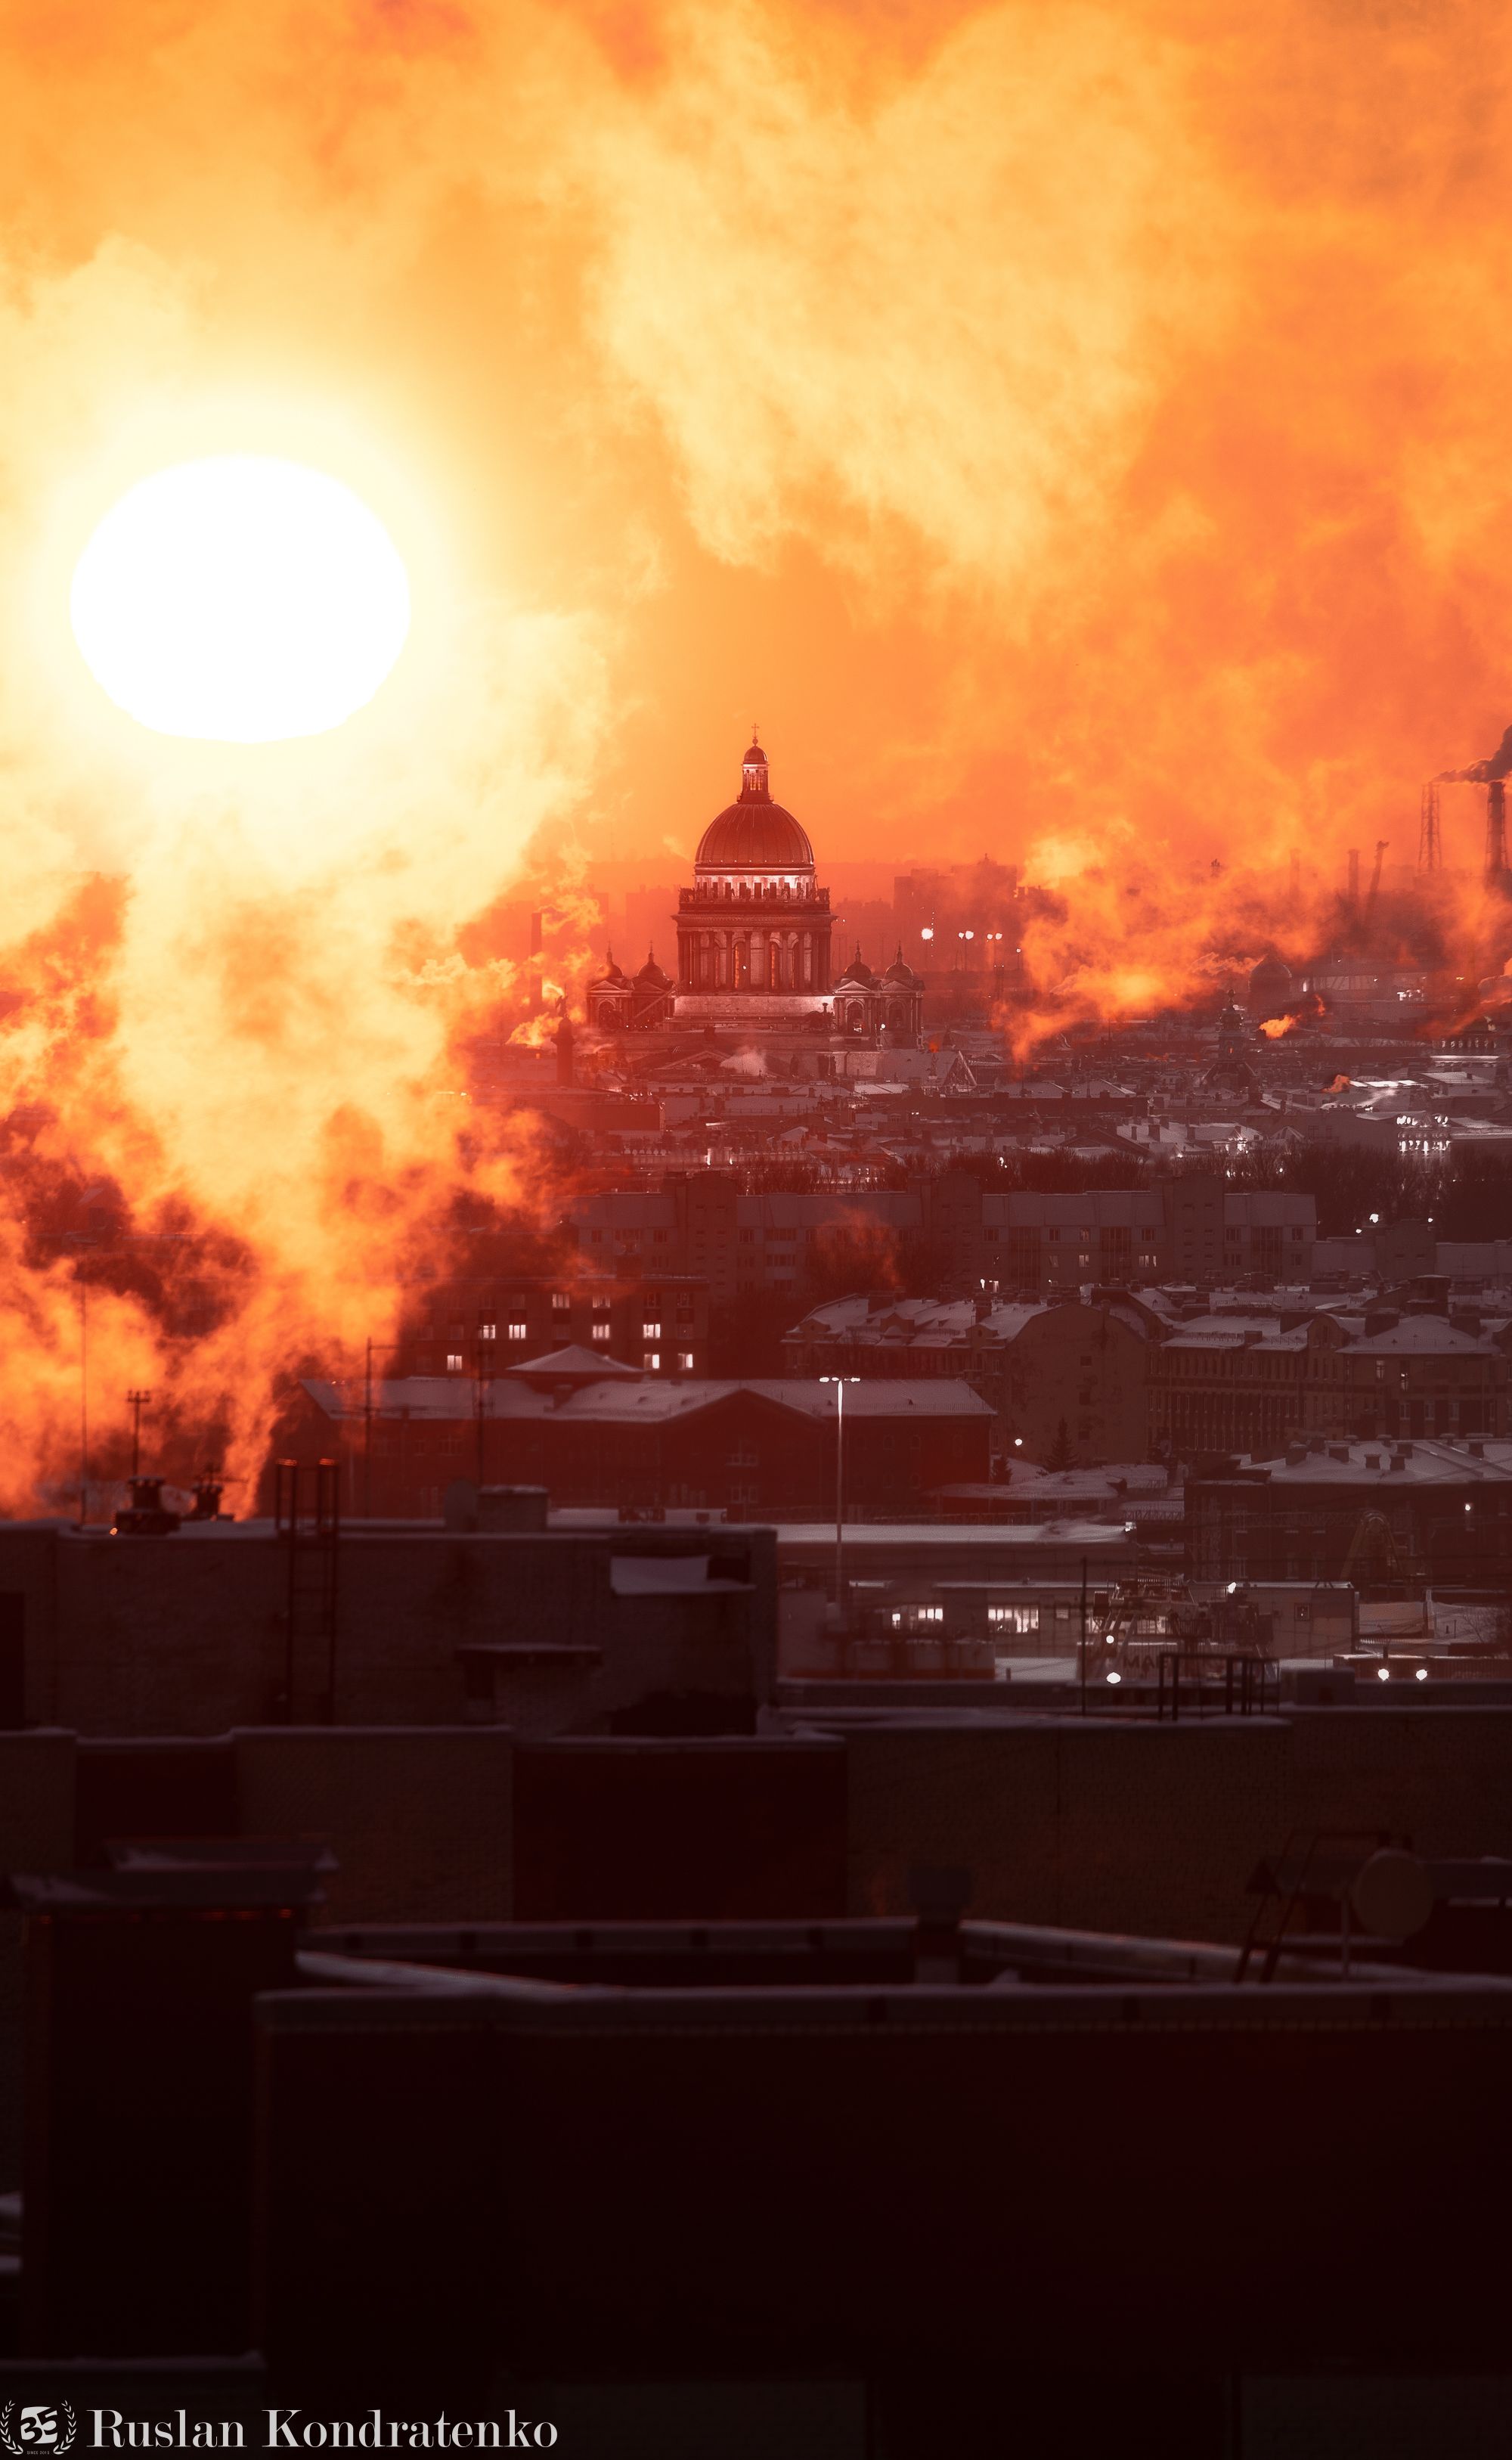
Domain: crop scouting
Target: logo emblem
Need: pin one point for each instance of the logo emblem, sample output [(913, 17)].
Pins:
[(34, 2430)]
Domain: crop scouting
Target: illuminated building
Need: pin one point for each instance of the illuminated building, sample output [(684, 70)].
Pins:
[(754, 953)]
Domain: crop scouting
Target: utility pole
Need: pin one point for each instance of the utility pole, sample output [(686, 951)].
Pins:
[(375, 1348), (83, 1291), (840, 1382), (139, 1402), (484, 1384), (82, 1242)]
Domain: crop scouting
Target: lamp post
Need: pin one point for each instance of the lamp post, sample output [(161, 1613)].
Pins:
[(840, 1382)]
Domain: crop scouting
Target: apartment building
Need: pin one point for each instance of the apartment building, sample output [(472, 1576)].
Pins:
[(658, 1323), (1056, 1372), (1254, 1384)]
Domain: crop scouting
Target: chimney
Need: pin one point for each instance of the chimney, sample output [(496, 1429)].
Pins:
[(1496, 861), (1353, 875)]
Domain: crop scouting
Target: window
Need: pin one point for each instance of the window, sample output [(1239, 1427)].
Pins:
[(454, 1359), (650, 1331), (1015, 1617), (684, 1360), (651, 1359), (561, 1303), (518, 1331), (602, 1331), (486, 1331)]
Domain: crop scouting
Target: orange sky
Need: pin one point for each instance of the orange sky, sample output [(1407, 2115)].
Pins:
[(1074, 432), (1035, 416)]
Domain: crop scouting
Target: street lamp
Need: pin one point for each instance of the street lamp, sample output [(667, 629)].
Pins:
[(840, 1382)]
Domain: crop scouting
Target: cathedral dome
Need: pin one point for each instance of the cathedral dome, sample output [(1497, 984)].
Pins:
[(754, 834)]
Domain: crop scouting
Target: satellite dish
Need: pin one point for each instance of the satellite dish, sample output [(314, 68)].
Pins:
[(1393, 1893)]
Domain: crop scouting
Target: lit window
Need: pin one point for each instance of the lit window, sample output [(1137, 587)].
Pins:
[(453, 1362), (650, 1332), (602, 1331), (651, 1359), (517, 1331), (486, 1331), (684, 1359), (561, 1303)]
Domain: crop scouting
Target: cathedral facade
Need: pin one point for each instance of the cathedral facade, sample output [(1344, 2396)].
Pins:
[(753, 942)]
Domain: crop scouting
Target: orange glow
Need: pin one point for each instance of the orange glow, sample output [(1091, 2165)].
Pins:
[(1076, 431), (1276, 1026)]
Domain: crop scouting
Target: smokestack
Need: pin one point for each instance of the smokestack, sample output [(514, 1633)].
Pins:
[(1353, 875), (1496, 861), (535, 966)]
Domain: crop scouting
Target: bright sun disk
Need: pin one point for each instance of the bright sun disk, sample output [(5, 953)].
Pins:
[(239, 599)]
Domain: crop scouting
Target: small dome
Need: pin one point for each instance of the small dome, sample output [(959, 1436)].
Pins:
[(651, 976), (612, 975), (901, 973), (859, 972)]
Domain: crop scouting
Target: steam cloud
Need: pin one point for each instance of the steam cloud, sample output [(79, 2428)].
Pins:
[(1080, 428)]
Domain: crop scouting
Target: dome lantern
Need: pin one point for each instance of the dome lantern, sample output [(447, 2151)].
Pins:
[(754, 785)]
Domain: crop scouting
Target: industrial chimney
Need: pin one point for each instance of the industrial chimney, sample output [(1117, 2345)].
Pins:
[(1496, 861)]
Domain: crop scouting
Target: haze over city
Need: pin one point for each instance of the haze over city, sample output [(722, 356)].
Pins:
[(755, 1223)]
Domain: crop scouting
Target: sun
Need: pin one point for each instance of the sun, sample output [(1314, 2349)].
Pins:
[(241, 599)]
